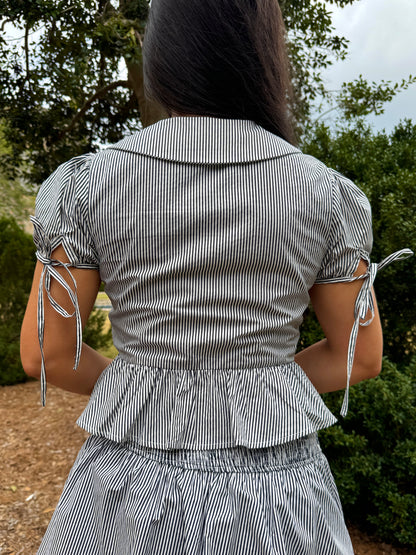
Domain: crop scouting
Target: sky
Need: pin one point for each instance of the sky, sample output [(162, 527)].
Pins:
[(382, 46)]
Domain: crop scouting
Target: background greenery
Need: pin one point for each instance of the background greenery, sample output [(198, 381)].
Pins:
[(384, 167), (61, 95), (373, 453), (17, 259)]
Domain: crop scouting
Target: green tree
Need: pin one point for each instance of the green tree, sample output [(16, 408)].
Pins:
[(60, 87), (384, 166), (61, 94), (372, 451), (16, 197)]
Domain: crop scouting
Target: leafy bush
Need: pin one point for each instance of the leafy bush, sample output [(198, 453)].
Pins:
[(95, 333), (373, 453), (17, 262), (373, 450), (311, 331)]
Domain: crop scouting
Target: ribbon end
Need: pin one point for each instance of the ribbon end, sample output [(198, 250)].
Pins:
[(344, 408), (43, 386)]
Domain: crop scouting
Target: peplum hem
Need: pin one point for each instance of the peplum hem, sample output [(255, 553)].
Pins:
[(204, 409)]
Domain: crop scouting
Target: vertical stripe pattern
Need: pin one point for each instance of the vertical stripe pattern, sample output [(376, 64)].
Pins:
[(124, 500), (208, 234)]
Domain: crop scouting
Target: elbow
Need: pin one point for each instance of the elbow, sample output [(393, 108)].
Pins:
[(371, 370), (31, 363), (30, 355), (368, 363), (31, 368), (369, 352), (377, 365), (31, 359)]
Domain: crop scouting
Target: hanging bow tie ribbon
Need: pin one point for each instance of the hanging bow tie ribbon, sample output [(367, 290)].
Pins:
[(49, 272), (363, 304)]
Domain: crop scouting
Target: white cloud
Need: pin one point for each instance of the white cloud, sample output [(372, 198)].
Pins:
[(382, 46)]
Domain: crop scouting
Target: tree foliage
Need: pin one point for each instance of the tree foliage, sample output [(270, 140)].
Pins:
[(61, 93), (16, 196), (372, 451), (313, 46), (361, 98)]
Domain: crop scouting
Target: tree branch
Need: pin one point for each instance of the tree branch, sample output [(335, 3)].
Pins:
[(3, 24), (139, 38), (325, 113), (27, 51), (101, 93), (150, 112)]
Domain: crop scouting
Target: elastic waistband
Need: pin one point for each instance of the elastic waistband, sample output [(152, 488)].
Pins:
[(236, 459)]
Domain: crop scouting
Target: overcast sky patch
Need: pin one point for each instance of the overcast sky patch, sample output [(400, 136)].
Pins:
[(382, 46)]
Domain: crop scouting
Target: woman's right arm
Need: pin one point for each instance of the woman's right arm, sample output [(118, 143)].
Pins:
[(325, 362), (60, 335)]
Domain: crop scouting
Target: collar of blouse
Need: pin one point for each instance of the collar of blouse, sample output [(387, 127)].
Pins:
[(207, 140)]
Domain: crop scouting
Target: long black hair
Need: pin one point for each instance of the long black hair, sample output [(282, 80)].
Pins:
[(221, 58)]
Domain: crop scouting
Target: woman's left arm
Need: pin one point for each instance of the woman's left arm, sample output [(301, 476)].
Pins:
[(60, 335)]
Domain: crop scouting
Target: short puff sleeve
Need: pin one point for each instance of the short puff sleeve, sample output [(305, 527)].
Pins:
[(62, 215), (351, 236), (61, 218)]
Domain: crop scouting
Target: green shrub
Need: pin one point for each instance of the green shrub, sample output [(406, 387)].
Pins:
[(17, 262), (373, 453), (373, 450), (311, 331), (95, 333)]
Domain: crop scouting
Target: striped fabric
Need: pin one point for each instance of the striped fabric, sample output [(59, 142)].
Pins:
[(121, 500), (204, 409), (208, 234)]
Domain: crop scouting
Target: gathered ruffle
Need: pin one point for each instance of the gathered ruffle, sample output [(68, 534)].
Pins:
[(204, 409)]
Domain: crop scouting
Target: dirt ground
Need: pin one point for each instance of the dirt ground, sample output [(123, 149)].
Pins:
[(38, 446)]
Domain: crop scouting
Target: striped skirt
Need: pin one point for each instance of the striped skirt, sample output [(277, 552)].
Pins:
[(122, 499)]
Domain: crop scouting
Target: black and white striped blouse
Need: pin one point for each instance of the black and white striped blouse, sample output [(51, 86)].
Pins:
[(208, 234)]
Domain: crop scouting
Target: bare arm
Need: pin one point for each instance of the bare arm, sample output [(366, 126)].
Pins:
[(325, 362), (60, 333)]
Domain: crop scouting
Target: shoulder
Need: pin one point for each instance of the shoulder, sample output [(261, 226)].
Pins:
[(72, 167), (333, 183), (348, 193), (66, 177)]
